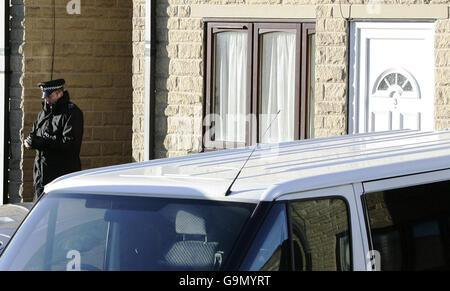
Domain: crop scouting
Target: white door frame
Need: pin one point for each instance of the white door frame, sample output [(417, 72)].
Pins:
[(358, 81), (3, 101)]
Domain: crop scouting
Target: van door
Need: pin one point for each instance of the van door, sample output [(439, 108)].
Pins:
[(409, 221), (325, 230)]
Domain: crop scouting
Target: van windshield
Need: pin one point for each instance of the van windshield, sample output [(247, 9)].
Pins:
[(110, 232)]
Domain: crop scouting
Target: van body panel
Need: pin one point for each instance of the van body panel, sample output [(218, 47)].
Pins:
[(338, 175), (274, 169)]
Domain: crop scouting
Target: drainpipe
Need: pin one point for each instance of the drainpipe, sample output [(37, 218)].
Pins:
[(150, 90), (5, 112)]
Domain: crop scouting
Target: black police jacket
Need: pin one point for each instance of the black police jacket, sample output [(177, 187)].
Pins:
[(60, 127)]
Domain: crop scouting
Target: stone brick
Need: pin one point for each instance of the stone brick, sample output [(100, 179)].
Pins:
[(179, 124), (442, 124), (184, 142), (185, 67), (335, 122), (331, 39), (90, 149), (443, 26), (102, 133), (324, 11), (335, 91), (185, 36), (330, 73), (190, 84), (336, 55), (442, 41), (112, 149), (321, 55), (330, 108), (190, 51), (31, 65), (442, 95), (190, 23), (443, 77), (336, 24), (442, 112), (442, 58), (184, 98)]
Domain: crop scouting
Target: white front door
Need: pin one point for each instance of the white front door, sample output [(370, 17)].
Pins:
[(392, 76)]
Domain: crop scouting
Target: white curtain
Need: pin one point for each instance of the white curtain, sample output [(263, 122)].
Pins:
[(277, 87), (230, 86)]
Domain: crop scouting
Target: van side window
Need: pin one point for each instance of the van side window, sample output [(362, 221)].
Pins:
[(270, 249), (321, 235), (410, 227)]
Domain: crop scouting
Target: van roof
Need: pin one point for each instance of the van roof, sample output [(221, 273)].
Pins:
[(272, 170)]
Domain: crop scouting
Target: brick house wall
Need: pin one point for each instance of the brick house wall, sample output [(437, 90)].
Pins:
[(180, 56), (442, 61), (93, 53), (17, 38), (138, 70)]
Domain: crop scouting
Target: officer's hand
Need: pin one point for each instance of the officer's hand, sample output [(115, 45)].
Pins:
[(27, 143), (38, 142)]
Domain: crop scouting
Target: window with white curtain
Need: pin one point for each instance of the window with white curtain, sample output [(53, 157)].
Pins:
[(277, 93), (230, 85), (256, 82)]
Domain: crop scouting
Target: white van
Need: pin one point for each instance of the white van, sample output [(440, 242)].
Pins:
[(378, 201)]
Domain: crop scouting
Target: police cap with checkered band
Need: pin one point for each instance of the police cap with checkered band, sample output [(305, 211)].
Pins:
[(50, 86)]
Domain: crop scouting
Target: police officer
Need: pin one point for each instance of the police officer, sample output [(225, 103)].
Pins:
[(56, 136)]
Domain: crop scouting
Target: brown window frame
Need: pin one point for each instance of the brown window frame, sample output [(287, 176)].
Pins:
[(212, 28), (307, 30), (255, 29), (259, 30)]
